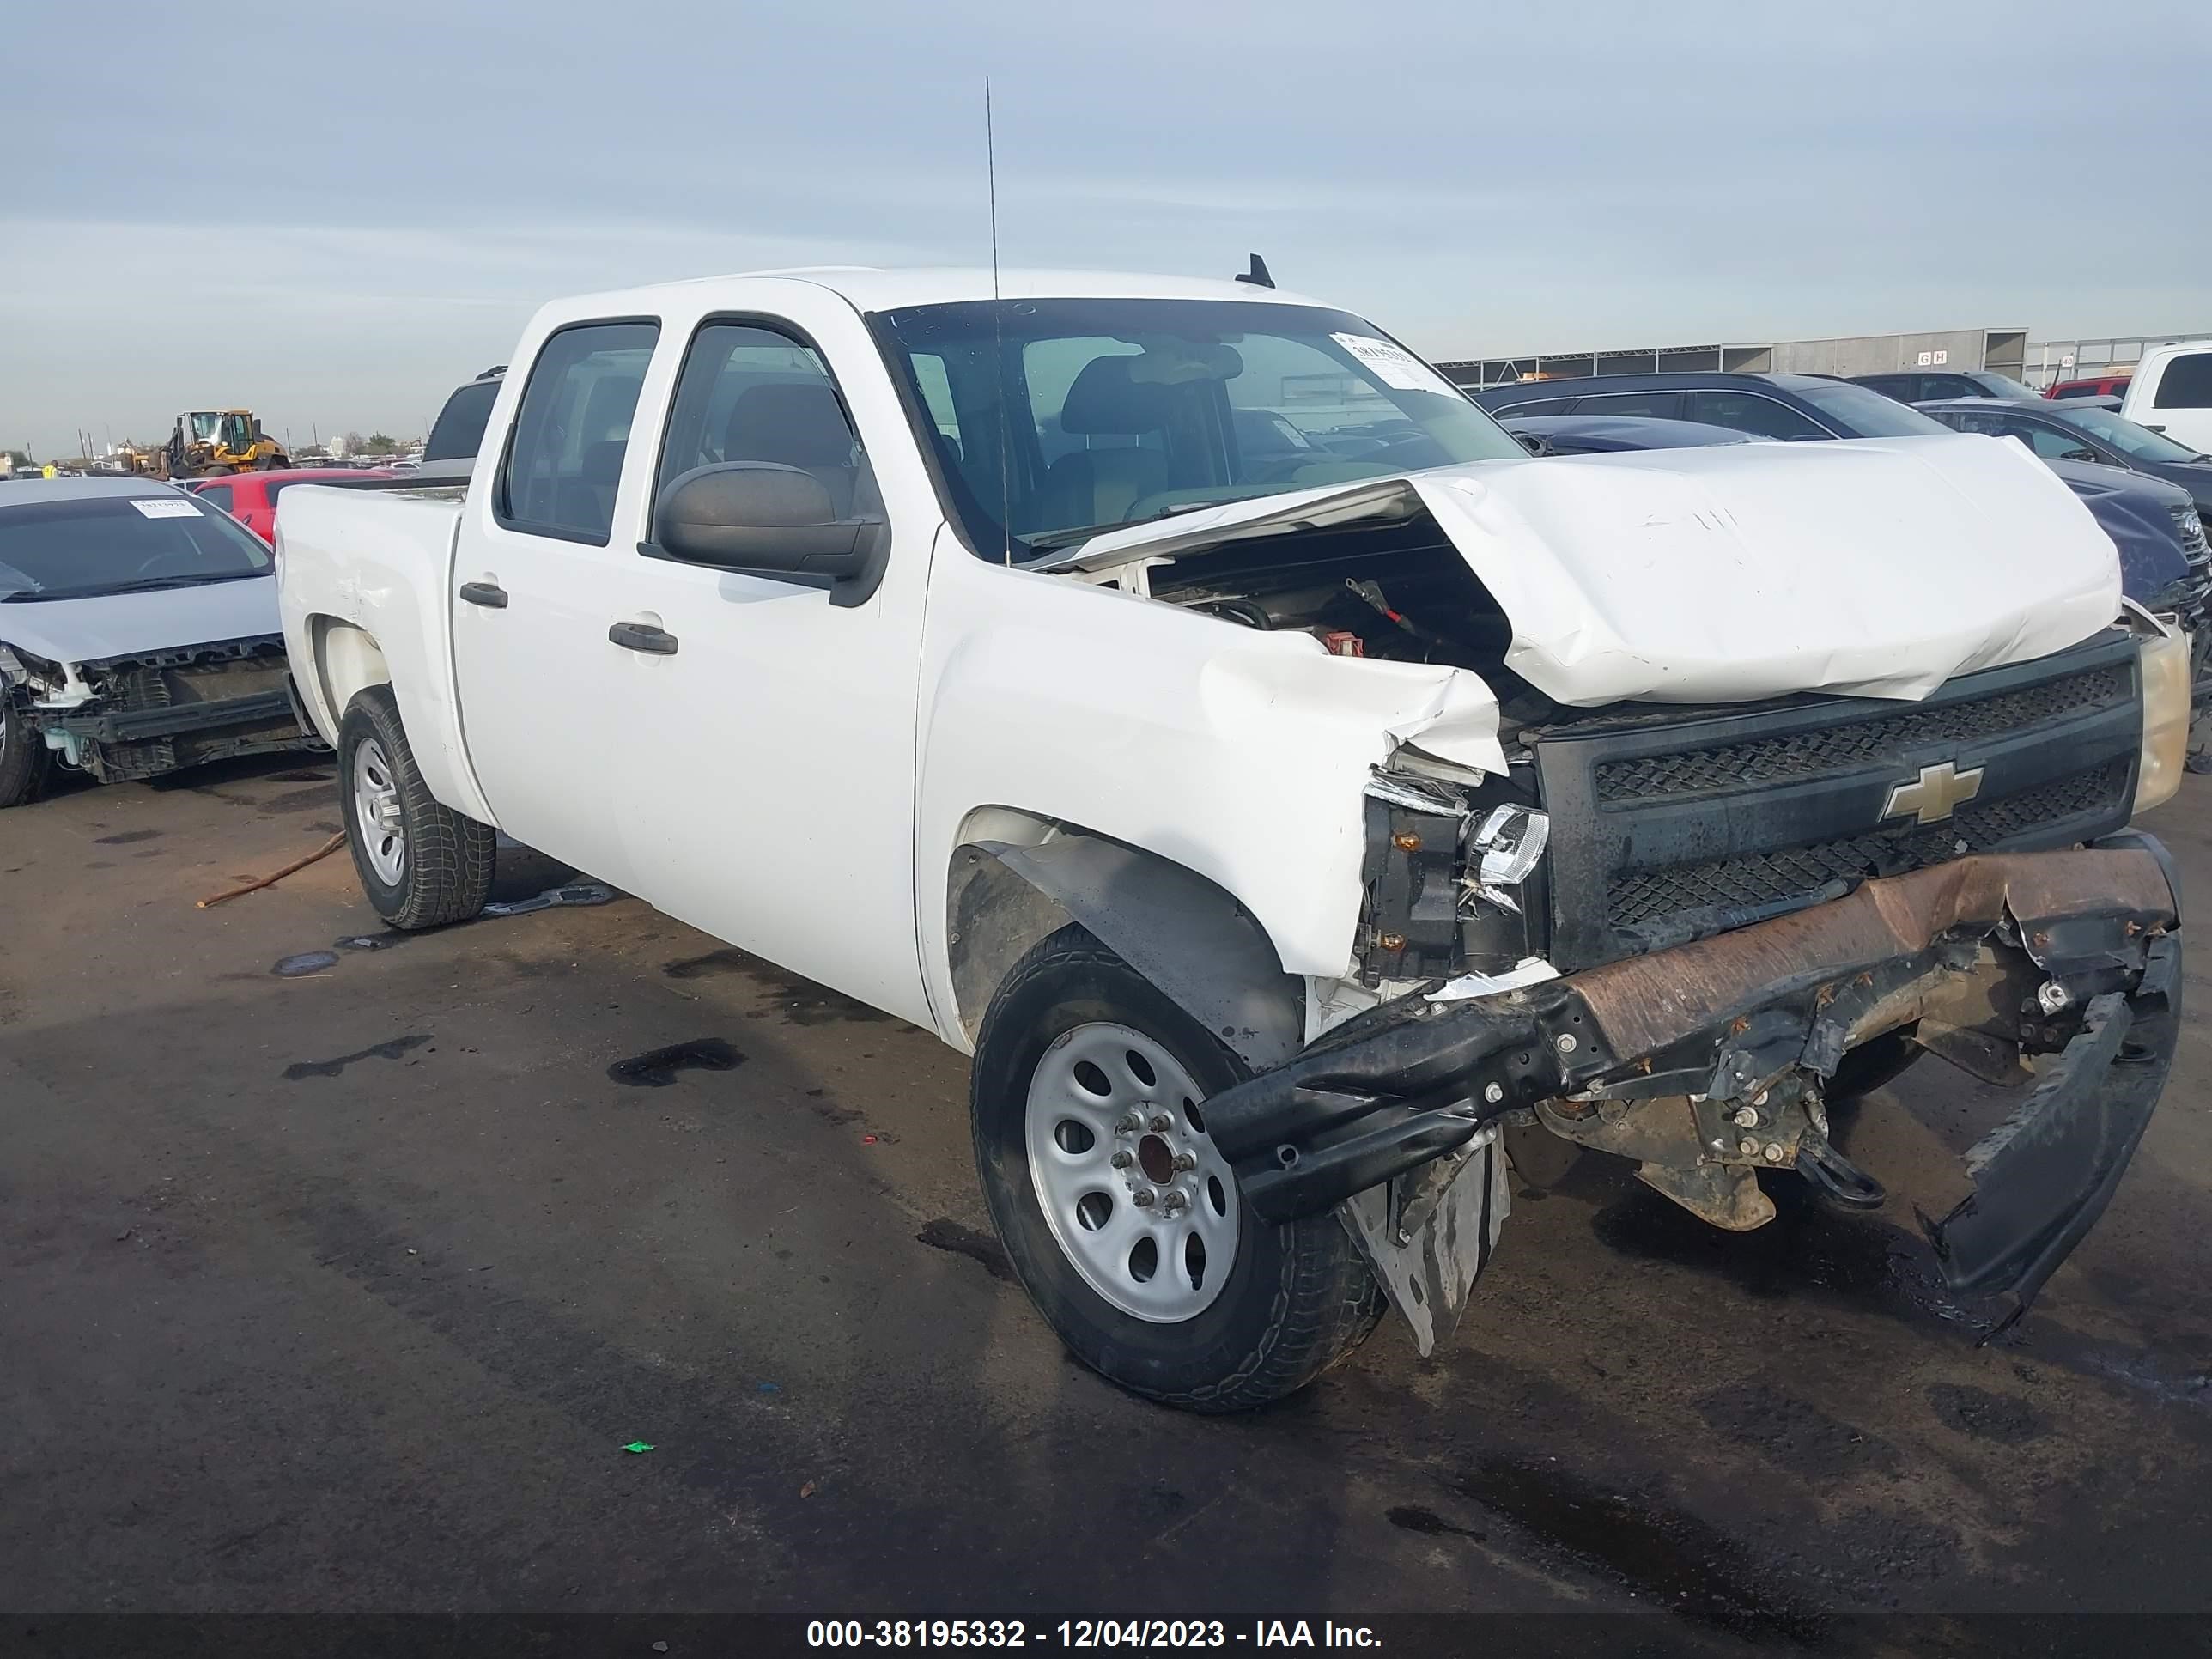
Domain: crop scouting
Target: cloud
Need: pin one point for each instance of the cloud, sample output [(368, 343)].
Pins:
[(335, 215)]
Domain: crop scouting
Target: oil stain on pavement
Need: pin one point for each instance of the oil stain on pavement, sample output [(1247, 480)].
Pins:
[(396, 1048), (656, 1068)]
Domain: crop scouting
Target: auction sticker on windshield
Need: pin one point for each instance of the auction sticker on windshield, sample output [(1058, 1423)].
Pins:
[(1394, 366), (155, 507)]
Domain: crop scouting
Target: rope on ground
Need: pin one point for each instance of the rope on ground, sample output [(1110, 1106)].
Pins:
[(322, 852)]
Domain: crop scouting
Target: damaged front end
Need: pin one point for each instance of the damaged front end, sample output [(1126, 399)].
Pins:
[(1707, 1063), (138, 716)]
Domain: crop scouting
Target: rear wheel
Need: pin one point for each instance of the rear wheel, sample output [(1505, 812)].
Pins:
[(214, 471), (24, 756), (1122, 1220), (422, 864)]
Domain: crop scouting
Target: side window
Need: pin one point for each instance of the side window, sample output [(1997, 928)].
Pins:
[(1541, 406), (1747, 412), (1977, 421), (2052, 445), (1904, 386), (217, 497), (748, 393), (1655, 405), (2186, 384), (572, 431)]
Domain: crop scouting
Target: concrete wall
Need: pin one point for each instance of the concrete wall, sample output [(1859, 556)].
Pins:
[(2001, 348), (1878, 354)]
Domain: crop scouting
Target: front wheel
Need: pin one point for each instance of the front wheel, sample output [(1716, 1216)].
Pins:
[(422, 864), (1121, 1219), (24, 756)]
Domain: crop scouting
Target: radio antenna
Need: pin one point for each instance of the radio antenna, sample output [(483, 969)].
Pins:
[(998, 339)]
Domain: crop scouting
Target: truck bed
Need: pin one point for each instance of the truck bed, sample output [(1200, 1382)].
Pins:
[(380, 561)]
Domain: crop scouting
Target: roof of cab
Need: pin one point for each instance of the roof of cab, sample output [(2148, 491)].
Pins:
[(869, 288)]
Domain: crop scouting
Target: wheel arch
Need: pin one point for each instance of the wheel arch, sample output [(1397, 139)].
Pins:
[(348, 660), (1017, 878)]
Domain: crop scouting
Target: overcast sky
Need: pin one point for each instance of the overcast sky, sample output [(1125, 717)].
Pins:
[(332, 214)]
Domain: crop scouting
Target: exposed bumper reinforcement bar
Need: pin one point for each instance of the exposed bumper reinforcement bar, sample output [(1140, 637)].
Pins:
[(2063, 952), (135, 725)]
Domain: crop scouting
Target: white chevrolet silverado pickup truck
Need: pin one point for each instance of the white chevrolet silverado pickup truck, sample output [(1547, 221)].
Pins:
[(1179, 696)]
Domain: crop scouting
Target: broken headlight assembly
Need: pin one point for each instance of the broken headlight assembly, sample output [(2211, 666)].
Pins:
[(1503, 851), (1454, 883)]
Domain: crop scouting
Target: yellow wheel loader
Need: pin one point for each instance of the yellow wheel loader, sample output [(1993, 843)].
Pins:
[(209, 441)]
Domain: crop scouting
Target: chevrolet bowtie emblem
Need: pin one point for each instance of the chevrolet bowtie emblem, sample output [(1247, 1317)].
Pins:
[(1931, 796)]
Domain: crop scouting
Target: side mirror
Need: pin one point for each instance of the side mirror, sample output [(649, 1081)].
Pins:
[(1536, 443), (760, 519)]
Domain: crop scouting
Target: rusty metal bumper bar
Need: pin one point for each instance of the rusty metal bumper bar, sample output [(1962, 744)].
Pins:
[(1968, 945)]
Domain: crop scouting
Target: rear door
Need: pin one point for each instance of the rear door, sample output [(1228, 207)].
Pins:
[(769, 752), (2174, 395), (535, 583)]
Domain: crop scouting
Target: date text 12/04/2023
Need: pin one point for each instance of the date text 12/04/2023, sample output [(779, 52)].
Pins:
[(1085, 1633)]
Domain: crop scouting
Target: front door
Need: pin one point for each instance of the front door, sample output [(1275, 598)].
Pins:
[(768, 768), (534, 582)]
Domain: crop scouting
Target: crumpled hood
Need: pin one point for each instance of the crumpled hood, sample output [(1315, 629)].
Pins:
[(133, 624), (1874, 566)]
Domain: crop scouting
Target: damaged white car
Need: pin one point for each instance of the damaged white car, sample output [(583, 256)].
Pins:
[(137, 634), (1179, 695)]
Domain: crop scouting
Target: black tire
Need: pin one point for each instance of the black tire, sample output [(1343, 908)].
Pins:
[(24, 756), (445, 875), (1297, 1297)]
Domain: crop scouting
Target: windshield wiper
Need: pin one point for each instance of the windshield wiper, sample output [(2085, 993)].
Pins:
[(136, 585), (148, 584)]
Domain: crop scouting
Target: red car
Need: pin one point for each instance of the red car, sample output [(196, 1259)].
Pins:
[(2104, 386), (251, 497)]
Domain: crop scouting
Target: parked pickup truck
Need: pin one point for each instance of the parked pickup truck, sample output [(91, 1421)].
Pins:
[(1279, 822)]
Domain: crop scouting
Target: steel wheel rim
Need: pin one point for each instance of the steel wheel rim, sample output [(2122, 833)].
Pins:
[(1104, 1090), (376, 811)]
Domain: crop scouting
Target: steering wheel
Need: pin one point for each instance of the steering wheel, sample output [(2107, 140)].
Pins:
[(167, 556)]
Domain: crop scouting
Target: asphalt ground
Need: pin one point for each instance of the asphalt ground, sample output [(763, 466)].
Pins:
[(342, 1294)]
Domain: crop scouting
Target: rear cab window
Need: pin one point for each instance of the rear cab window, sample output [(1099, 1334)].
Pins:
[(564, 457), (2186, 383), (458, 432)]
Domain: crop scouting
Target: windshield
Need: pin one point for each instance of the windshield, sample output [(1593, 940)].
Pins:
[(1862, 413), (74, 549), (2126, 436), (204, 426), (1128, 410)]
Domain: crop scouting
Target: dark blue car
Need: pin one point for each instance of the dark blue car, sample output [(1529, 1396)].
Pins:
[(2145, 518), (1599, 435), (2085, 431)]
